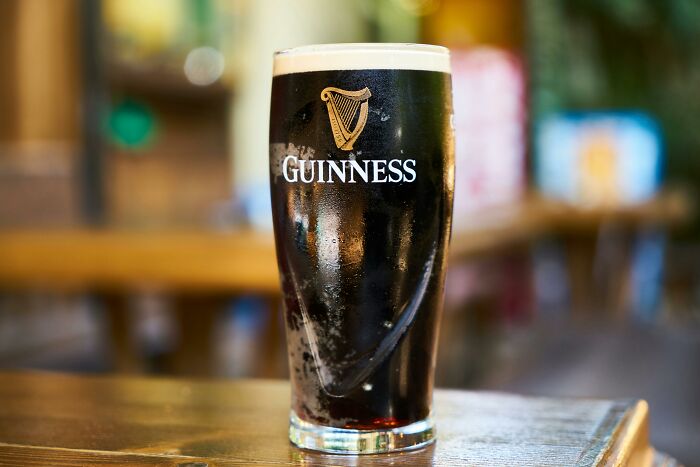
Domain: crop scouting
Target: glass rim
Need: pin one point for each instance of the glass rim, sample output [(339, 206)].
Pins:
[(362, 56), (401, 47)]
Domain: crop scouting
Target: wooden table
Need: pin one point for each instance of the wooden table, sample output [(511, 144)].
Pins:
[(202, 270), (111, 260), (61, 420), (537, 216), (199, 270), (244, 260)]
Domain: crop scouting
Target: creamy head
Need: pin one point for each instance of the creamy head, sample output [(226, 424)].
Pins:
[(362, 57)]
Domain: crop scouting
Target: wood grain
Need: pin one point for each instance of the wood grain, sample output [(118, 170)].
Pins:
[(52, 419)]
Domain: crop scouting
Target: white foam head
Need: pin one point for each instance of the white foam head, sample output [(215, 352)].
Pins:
[(362, 57)]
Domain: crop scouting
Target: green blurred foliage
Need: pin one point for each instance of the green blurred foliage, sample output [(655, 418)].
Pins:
[(131, 124), (622, 54)]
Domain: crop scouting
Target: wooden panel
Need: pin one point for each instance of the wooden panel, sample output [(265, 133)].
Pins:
[(8, 81), (39, 111), (50, 419), (46, 67), (38, 184), (39, 81), (181, 175)]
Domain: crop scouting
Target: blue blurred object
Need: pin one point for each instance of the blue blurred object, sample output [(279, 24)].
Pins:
[(646, 276), (257, 206), (241, 337), (598, 158)]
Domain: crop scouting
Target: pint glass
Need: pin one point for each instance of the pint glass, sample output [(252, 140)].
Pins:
[(361, 176)]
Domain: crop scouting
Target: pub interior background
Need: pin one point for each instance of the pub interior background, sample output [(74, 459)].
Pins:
[(133, 138)]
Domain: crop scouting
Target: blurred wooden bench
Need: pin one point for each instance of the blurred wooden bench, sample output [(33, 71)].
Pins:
[(118, 260), (244, 260), (201, 270), (536, 216), (54, 419)]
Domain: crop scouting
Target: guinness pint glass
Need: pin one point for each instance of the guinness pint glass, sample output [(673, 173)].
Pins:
[(361, 175)]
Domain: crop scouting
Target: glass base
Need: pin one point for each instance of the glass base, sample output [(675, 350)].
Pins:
[(346, 441)]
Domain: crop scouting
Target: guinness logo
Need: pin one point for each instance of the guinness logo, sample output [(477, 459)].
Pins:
[(347, 111)]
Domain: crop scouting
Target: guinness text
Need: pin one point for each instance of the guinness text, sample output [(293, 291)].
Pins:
[(348, 171)]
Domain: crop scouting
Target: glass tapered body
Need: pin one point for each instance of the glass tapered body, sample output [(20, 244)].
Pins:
[(361, 175)]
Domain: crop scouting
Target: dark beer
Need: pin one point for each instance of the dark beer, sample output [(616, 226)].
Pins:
[(361, 175)]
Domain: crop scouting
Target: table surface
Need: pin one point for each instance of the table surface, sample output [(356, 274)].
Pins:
[(67, 420)]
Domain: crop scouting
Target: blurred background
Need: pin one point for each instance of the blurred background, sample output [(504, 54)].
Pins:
[(135, 229)]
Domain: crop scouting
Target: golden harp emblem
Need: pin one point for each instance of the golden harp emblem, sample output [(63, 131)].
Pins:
[(343, 109)]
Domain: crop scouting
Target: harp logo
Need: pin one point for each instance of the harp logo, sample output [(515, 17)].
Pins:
[(347, 112)]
